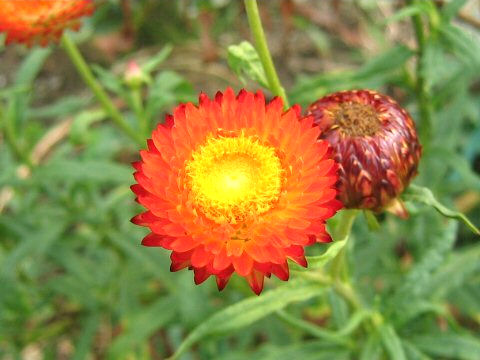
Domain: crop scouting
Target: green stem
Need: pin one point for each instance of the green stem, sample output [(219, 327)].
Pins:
[(137, 104), (422, 93), (87, 76), (348, 293), (314, 330), (342, 231), (11, 138), (263, 52)]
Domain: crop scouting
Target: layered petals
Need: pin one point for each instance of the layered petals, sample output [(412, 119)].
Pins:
[(41, 21), (236, 185), (375, 144)]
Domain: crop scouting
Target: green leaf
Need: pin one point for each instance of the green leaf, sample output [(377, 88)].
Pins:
[(141, 326), (339, 309), (337, 337), (65, 106), (340, 235), (24, 78), (157, 59), (310, 350), (80, 130), (449, 345), (372, 221), (108, 79), (168, 88), (391, 342), (34, 243), (462, 43), (455, 271), (316, 262), (372, 348), (425, 195), (409, 298), (373, 73), (143, 257), (390, 60), (31, 66), (248, 311), (405, 12), (89, 170), (451, 8), (412, 352), (243, 60), (89, 329)]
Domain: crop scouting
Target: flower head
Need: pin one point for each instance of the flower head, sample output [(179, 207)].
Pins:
[(375, 144), (236, 185), (40, 21)]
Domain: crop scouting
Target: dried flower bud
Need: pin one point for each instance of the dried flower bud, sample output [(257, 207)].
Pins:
[(375, 144)]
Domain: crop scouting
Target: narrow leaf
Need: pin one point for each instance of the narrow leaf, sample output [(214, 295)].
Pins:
[(449, 345), (97, 171), (157, 59), (142, 326), (316, 262), (85, 340), (248, 311), (425, 195), (31, 66), (405, 12), (451, 8), (392, 342), (243, 60), (372, 348)]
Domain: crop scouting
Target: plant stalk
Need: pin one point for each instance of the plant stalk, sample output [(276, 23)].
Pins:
[(261, 46), (88, 77), (422, 93), (339, 268), (137, 104)]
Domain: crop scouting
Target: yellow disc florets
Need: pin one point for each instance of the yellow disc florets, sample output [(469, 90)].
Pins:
[(234, 179)]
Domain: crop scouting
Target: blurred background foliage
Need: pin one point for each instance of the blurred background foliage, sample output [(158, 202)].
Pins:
[(75, 282)]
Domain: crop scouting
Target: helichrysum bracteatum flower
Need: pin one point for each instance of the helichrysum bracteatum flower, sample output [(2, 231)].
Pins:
[(40, 21), (236, 185), (375, 144)]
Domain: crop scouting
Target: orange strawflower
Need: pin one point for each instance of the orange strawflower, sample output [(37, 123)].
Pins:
[(236, 185), (40, 21)]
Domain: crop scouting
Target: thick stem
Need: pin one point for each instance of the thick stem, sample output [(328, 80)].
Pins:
[(87, 76), (339, 267), (263, 52), (422, 93)]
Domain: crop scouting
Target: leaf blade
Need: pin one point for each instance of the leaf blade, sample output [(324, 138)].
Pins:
[(248, 311), (425, 196)]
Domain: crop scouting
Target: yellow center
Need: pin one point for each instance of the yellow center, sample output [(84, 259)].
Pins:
[(233, 179)]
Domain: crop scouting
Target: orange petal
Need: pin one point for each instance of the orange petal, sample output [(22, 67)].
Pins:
[(235, 247), (221, 261), (200, 257), (255, 280), (281, 271), (200, 275), (184, 243), (242, 264)]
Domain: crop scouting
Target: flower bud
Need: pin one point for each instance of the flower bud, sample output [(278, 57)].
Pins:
[(375, 144), (134, 75)]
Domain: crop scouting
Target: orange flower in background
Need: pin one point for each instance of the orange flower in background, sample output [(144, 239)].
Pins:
[(236, 185), (375, 144), (41, 21)]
